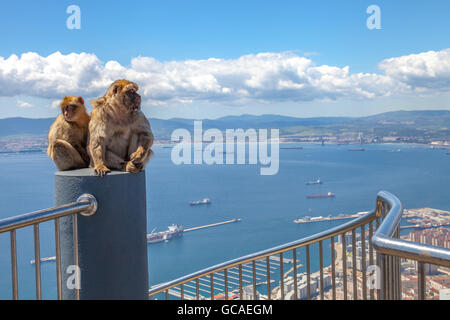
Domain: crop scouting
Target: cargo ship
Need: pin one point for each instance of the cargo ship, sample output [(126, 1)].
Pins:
[(204, 201), (291, 148), (318, 181), (328, 195), (357, 149), (172, 231)]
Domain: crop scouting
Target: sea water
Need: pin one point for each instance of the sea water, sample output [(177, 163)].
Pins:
[(266, 205)]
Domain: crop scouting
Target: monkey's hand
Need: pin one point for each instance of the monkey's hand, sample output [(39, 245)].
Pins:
[(137, 157), (133, 168), (101, 170)]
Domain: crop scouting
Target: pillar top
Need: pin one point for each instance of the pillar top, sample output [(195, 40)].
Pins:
[(87, 172)]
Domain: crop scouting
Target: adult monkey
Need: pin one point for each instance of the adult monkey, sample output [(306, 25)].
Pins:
[(120, 136)]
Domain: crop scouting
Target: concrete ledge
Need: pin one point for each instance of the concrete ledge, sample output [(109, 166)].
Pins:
[(112, 243)]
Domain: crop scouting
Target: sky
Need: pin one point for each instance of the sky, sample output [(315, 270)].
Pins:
[(207, 59)]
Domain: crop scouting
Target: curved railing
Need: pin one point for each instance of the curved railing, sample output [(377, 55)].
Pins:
[(240, 277), (381, 255), (391, 249)]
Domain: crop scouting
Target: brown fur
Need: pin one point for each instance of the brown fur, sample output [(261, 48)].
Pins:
[(120, 136), (67, 136)]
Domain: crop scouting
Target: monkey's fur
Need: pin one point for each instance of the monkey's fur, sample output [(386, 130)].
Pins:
[(68, 135), (120, 136)]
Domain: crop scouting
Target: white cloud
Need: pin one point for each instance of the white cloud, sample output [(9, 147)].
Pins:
[(264, 77), (427, 71), (24, 104)]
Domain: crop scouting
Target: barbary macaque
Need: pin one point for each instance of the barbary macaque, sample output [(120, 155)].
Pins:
[(67, 137), (120, 136)]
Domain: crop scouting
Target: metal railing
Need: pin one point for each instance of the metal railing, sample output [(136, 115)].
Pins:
[(384, 249), (391, 249), (239, 278), (85, 205)]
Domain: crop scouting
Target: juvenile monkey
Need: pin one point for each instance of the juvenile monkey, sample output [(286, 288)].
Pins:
[(68, 135), (120, 136)]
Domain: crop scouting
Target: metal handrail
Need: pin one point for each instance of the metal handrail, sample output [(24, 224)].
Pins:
[(316, 238), (390, 249), (384, 242), (86, 205)]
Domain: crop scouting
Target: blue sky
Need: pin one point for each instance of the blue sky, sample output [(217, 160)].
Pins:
[(331, 33)]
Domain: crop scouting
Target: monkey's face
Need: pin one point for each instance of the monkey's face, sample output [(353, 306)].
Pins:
[(71, 108), (124, 93)]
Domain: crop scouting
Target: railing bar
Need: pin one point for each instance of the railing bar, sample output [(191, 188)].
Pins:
[(392, 277), (182, 292), (344, 265), (380, 263), (308, 274), (333, 270), (226, 284), (321, 270), (281, 276), (294, 257), (15, 291), (197, 287), (363, 262), (371, 291), (37, 262), (167, 294), (269, 290), (254, 281), (240, 282), (75, 253), (58, 259), (211, 277), (355, 275)]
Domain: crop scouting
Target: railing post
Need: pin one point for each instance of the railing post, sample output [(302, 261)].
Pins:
[(112, 246)]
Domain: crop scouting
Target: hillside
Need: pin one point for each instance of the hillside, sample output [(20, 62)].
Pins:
[(426, 125)]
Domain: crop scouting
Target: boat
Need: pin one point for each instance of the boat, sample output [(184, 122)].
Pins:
[(318, 181), (291, 147), (357, 149), (328, 195), (204, 201), (172, 231), (47, 259)]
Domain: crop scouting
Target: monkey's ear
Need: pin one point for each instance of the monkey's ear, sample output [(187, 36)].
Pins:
[(98, 102), (81, 100), (116, 87)]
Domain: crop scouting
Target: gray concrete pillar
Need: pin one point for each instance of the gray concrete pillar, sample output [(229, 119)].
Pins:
[(112, 243)]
